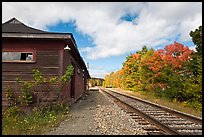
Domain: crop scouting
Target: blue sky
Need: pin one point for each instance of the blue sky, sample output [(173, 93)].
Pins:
[(107, 32), (104, 65)]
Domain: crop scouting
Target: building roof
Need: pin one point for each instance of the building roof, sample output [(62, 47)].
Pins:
[(15, 26)]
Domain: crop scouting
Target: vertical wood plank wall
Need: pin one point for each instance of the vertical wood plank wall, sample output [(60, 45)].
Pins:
[(51, 60)]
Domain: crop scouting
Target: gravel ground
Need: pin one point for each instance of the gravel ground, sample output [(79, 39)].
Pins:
[(96, 114)]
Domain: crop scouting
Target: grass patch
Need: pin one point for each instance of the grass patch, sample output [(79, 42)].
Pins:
[(15, 122), (179, 106)]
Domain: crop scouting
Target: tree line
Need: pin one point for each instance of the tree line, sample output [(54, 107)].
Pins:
[(174, 72)]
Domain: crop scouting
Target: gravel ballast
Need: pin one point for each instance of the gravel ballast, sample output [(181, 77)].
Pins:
[(95, 114)]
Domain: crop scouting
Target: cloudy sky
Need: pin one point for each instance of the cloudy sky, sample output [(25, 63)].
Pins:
[(107, 32)]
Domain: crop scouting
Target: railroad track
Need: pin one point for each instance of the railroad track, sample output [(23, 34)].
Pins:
[(156, 119)]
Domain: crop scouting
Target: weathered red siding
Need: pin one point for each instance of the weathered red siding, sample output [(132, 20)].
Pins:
[(51, 60), (79, 83), (47, 61)]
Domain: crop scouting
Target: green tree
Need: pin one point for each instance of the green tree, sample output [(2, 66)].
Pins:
[(197, 39), (193, 85)]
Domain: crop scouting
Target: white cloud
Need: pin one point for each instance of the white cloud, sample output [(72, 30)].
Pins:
[(97, 71), (155, 23)]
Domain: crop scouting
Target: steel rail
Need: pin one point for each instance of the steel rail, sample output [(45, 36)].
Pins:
[(158, 124), (178, 113)]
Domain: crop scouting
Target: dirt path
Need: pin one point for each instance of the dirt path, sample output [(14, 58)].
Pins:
[(96, 114)]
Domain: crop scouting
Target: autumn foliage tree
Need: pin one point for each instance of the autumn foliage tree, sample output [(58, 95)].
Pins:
[(169, 71), (131, 70)]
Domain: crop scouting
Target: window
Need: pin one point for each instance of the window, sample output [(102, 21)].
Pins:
[(17, 57)]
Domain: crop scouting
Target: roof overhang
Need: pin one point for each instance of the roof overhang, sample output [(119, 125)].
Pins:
[(41, 36)]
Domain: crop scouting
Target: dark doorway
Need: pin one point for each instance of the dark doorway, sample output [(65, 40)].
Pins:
[(72, 92)]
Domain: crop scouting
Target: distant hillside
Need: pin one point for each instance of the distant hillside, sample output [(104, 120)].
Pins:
[(97, 78), (95, 82)]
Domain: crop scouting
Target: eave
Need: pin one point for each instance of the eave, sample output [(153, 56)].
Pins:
[(39, 36)]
